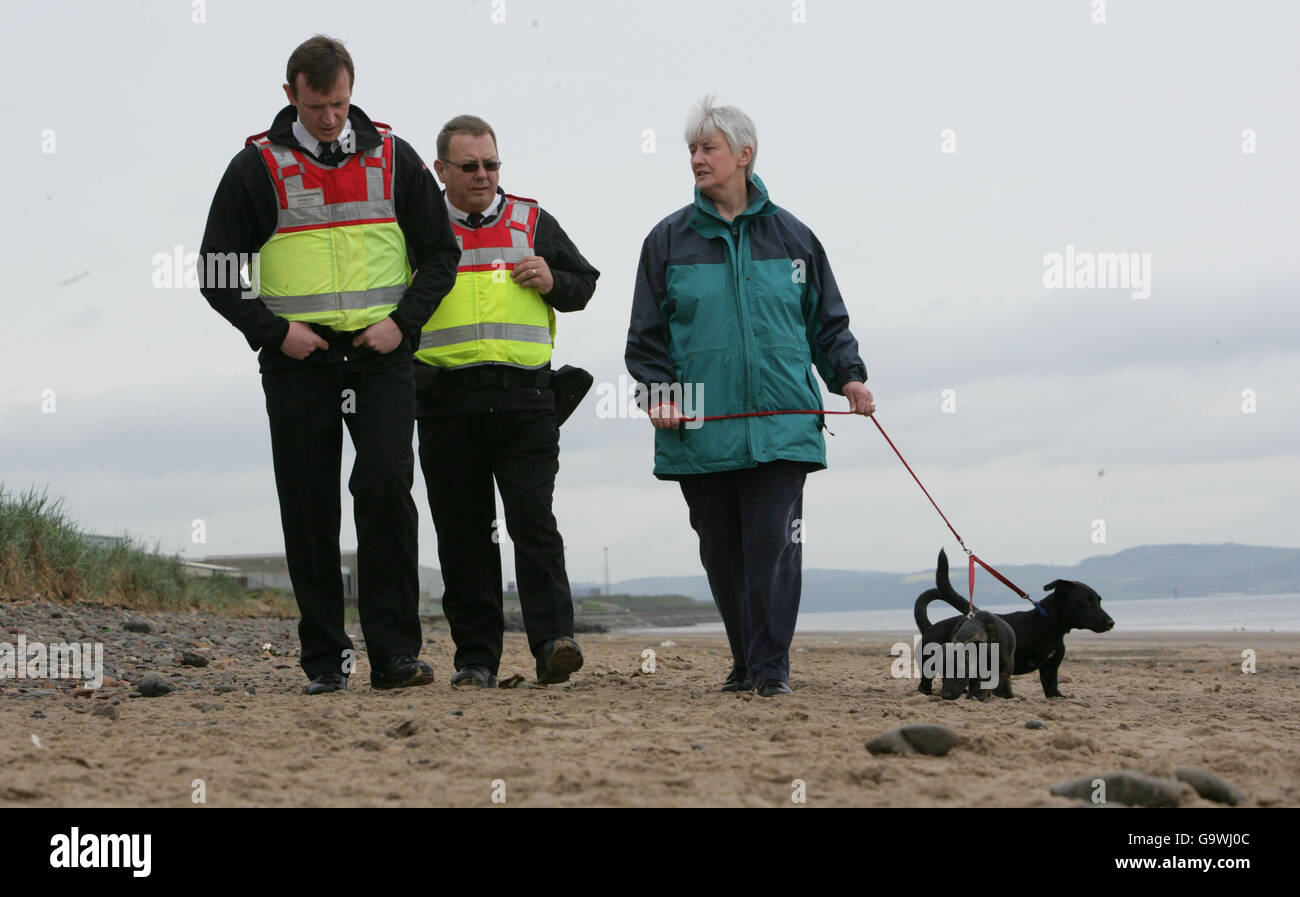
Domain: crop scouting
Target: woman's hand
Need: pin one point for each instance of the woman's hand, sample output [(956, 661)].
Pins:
[(860, 400), (666, 416)]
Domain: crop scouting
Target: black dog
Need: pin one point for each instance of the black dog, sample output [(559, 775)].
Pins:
[(1039, 637), (980, 628)]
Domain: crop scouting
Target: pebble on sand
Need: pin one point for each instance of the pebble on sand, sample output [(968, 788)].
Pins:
[(1128, 787), (152, 686), (1035, 724), (1210, 786), (405, 729), (919, 738), (190, 659), (137, 626)]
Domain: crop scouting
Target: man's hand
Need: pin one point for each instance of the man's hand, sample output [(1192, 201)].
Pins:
[(860, 400), (301, 341), (532, 271), (666, 416), (382, 336)]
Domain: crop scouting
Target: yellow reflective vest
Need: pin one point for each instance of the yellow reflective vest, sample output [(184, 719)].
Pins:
[(487, 317), (338, 256)]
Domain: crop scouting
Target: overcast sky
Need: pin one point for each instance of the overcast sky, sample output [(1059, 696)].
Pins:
[(1072, 405)]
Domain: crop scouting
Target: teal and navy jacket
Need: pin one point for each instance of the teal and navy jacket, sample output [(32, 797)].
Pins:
[(744, 309)]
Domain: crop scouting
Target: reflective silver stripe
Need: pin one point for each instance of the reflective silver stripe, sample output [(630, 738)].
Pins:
[(339, 211), (479, 364), (519, 214), (490, 255), (375, 183), (284, 158), (375, 175), (348, 301), (468, 333)]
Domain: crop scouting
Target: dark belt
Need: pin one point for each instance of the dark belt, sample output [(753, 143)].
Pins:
[(493, 376)]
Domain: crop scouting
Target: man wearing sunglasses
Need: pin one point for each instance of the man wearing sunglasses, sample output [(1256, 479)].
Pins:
[(486, 403)]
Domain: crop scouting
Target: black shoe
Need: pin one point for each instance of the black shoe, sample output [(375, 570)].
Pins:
[(326, 683), (400, 672), (738, 680), (480, 677), (558, 658), (770, 688)]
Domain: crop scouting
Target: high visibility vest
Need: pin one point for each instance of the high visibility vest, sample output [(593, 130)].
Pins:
[(487, 317), (337, 256)]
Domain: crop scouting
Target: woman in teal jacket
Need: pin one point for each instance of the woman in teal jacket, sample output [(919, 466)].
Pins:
[(735, 304)]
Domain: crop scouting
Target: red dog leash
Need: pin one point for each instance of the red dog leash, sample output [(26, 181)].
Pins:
[(973, 558)]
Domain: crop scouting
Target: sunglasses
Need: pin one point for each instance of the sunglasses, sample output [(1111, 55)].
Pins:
[(471, 167)]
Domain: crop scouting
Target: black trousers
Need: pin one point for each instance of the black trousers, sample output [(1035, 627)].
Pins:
[(461, 455), (749, 524), (308, 407)]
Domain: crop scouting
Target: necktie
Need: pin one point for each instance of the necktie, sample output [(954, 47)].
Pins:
[(474, 219), (331, 155)]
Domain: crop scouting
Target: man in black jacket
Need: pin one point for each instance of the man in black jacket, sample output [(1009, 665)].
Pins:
[(325, 207), (486, 403)]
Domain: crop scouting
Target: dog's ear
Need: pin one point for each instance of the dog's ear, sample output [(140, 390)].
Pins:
[(1056, 584)]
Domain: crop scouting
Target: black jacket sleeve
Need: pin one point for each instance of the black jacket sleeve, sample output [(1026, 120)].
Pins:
[(241, 219), (575, 278), (833, 347), (430, 243), (647, 356)]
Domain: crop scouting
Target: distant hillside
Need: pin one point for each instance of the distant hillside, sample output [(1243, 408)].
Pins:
[(1147, 571)]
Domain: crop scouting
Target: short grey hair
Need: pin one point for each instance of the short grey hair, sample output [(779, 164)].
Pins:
[(736, 127)]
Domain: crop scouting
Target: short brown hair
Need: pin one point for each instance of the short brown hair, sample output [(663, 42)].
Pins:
[(320, 59), (463, 124)]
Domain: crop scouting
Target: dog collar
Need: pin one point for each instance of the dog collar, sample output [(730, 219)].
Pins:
[(1041, 609)]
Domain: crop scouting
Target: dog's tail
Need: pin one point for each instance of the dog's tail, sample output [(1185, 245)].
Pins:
[(918, 611), (945, 587)]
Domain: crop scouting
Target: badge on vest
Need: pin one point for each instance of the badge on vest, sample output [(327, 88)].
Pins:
[(302, 199)]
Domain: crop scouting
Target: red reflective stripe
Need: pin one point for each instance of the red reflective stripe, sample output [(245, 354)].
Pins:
[(372, 161), (496, 237), (302, 227), (466, 269), (388, 166), (290, 171)]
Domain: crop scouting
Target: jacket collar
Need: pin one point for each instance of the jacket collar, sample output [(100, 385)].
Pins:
[(489, 214), (707, 220), (281, 131)]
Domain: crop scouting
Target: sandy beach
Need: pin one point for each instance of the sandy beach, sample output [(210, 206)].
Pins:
[(616, 735)]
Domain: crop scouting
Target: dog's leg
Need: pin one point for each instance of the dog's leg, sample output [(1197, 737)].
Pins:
[(1007, 658), (1048, 671)]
